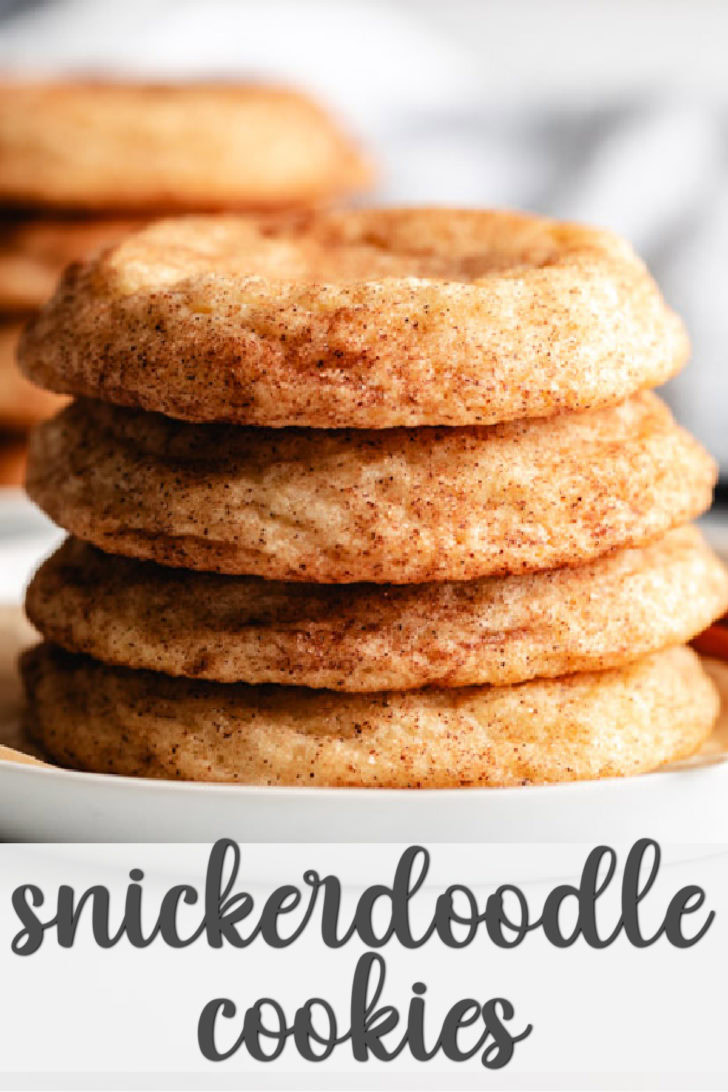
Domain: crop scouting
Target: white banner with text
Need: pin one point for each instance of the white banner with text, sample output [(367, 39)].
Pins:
[(363, 966)]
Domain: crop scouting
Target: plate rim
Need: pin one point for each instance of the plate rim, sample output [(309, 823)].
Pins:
[(310, 792)]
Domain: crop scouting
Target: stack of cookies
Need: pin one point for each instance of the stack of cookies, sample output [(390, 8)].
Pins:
[(376, 498), (79, 162)]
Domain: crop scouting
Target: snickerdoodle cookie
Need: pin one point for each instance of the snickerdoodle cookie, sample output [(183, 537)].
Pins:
[(389, 506), (603, 724), (12, 459), (34, 253), (364, 319), (22, 404), (497, 630), (126, 146)]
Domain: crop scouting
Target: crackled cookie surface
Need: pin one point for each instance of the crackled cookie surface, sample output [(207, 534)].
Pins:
[(363, 319), (389, 506), (607, 724), (366, 637)]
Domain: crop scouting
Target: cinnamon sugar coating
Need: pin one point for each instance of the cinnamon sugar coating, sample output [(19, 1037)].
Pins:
[(366, 637), (363, 319), (609, 724), (400, 506)]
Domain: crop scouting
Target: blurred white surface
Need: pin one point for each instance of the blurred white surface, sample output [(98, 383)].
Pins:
[(613, 112), (26, 537)]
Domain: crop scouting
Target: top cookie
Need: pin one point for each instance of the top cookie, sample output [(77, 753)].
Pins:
[(91, 145), (368, 319)]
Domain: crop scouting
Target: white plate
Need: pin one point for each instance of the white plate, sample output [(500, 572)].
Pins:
[(684, 803)]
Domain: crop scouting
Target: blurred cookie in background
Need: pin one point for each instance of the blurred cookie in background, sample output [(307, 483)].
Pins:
[(86, 145), (34, 252), (12, 459), (82, 163), (22, 404)]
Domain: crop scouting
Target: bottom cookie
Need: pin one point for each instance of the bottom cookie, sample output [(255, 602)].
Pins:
[(600, 724)]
